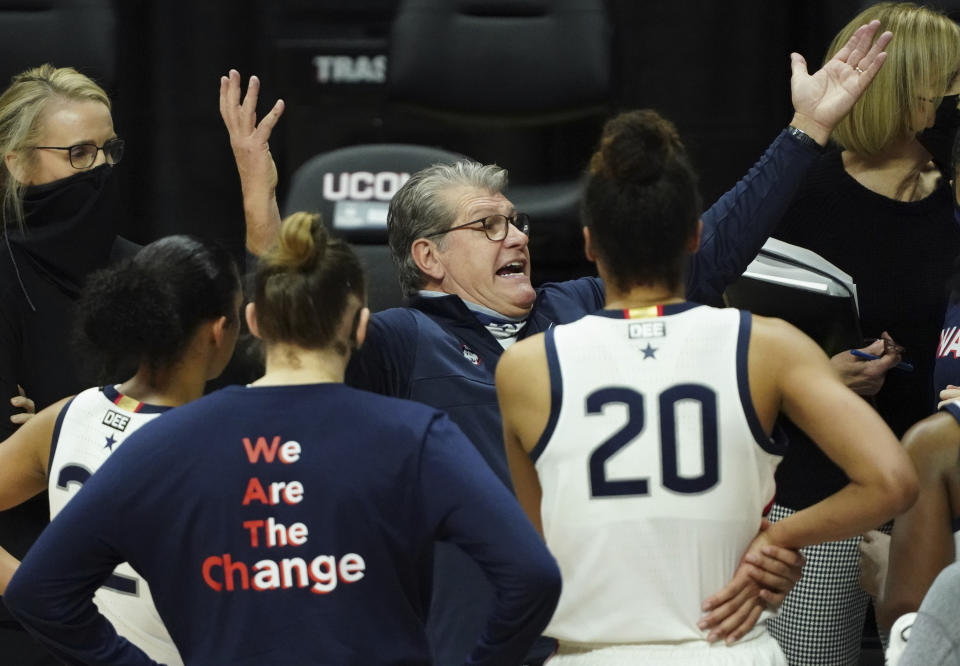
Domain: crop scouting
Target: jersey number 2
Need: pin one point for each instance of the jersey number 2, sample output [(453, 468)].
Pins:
[(79, 475), (601, 486)]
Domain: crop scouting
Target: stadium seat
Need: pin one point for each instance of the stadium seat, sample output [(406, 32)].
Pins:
[(74, 33), (531, 80), (351, 188)]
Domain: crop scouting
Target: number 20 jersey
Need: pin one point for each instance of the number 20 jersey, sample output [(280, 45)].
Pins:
[(654, 467)]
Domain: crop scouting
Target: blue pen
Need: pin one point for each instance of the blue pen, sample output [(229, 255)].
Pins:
[(902, 365)]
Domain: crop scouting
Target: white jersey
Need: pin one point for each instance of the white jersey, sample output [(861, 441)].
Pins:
[(654, 467), (89, 428)]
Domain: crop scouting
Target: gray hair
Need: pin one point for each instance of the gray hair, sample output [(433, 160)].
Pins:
[(418, 209)]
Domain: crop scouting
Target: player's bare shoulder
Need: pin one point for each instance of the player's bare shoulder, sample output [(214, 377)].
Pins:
[(775, 342), (523, 381), (775, 329), (934, 443), (525, 356)]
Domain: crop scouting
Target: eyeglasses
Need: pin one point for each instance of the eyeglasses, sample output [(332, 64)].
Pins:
[(494, 226), (83, 155)]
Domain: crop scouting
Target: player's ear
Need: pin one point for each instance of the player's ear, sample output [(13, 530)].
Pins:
[(361, 333), (587, 247), (250, 313), (218, 330)]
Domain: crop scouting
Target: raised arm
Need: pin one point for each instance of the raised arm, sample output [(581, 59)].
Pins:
[(251, 150), (738, 224), (922, 542), (822, 99)]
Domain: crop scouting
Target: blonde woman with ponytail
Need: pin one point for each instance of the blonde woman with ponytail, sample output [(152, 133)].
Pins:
[(291, 521)]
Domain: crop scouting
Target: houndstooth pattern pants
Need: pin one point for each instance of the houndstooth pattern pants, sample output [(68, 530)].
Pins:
[(821, 621)]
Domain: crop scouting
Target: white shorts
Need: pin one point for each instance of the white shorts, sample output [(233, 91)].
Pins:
[(760, 651)]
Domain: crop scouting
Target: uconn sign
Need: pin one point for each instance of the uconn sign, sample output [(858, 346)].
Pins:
[(362, 185)]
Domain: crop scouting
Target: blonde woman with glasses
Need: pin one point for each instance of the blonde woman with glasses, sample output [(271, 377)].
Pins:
[(60, 223)]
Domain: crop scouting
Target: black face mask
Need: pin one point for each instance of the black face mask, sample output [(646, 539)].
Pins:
[(938, 140), (69, 226)]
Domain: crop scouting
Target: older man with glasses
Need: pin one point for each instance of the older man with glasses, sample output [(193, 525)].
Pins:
[(464, 263)]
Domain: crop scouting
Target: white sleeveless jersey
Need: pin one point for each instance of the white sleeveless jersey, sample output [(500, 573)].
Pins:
[(654, 467), (89, 428)]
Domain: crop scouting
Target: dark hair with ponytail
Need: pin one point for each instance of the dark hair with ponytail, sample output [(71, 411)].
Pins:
[(145, 309), (303, 285), (641, 201)]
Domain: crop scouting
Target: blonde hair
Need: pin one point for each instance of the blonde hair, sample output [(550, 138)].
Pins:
[(22, 107), (922, 59), (304, 286)]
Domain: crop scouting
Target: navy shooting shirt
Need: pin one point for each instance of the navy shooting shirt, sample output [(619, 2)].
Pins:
[(287, 525)]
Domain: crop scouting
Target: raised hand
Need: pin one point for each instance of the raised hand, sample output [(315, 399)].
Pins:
[(821, 99), (251, 150)]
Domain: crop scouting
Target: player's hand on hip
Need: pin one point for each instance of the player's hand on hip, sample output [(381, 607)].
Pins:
[(766, 573)]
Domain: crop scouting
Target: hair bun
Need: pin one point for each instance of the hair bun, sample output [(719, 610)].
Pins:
[(636, 146), (305, 284), (302, 243)]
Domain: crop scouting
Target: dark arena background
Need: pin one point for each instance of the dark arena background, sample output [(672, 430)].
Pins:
[(526, 84), (719, 70)]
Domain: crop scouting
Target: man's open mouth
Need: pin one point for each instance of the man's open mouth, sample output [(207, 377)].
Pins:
[(513, 268)]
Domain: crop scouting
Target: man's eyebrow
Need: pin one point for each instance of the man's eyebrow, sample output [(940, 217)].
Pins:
[(479, 212)]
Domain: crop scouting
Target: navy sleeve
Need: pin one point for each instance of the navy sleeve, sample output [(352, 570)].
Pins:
[(472, 508), (51, 593), (384, 362), (739, 223), (590, 290)]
